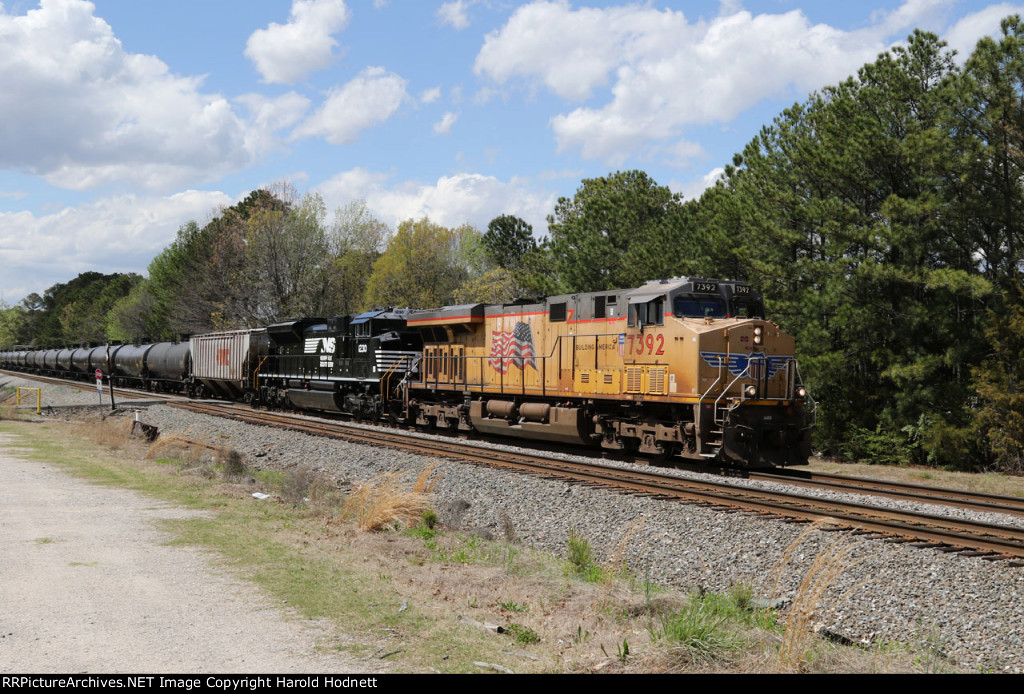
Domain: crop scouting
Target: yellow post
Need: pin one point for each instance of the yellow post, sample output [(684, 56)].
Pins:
[(39, 397)]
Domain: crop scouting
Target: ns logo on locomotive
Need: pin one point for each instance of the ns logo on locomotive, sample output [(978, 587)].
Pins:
[(685, 367)]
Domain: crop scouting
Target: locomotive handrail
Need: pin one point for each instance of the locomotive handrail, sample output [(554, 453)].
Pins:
[(256, 373), (385, 387), (807, 394)]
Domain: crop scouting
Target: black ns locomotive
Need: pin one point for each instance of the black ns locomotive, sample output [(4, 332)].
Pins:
[(350, 364)]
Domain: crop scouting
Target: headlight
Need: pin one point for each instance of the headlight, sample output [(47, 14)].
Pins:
[(758, 335), (750, 391), (801, 392)]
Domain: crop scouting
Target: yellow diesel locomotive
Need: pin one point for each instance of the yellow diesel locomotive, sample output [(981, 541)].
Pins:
[(684, 367)]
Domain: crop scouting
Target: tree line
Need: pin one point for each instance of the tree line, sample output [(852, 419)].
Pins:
[(881, 218)]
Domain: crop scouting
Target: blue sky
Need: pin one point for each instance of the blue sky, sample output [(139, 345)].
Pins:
[(124, 119)]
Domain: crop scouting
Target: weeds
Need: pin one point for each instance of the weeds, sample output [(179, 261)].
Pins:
[(7, 403), (302, 484), (507, 528), (321, 568), (429, 519), (231, 462), (184, 450), (8, 412), (701, 632), (581, 560), (828, 564), (932, 660), (112, 433), (621, 651), (426, 529), (383, 503), (512, 606), (522, 634)]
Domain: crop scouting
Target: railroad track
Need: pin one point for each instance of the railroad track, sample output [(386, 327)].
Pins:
[(903, 491), (126, 393), (972, 538)]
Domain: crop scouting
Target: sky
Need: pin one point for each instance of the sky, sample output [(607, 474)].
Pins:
[(122, 120)]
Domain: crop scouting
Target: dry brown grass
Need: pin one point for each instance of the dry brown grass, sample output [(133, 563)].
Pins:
[(615, 563), (384, 502), (231, 462), (303, 484), (112, 433), (991, 482), (182, 449), (827, 565)]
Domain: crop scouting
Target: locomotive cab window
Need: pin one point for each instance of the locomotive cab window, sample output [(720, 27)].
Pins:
[(649, 313), (556, 313), (698, 307), (748, 309)]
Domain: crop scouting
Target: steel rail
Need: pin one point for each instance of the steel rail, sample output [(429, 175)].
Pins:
[(891, 489)]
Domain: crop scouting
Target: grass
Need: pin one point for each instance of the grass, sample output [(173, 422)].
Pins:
[(700, 633), (401, 594), (8, 408), (993, 483), (522, 635), (384, 502), (799, 647), (581, 559)]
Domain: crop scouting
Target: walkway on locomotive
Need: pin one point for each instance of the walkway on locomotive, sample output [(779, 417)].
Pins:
[(673, 341)]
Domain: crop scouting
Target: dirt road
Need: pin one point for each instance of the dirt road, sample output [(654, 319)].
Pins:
[(88, 585)]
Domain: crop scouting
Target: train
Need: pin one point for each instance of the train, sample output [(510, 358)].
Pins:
[(676, 368)]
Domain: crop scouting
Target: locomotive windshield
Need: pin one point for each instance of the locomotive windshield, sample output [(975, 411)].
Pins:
[(748, 309), (698, 307)]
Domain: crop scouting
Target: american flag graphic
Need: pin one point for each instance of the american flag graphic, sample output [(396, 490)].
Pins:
[(512, 347)]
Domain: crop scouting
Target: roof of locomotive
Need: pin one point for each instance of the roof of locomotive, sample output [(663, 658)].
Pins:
[(382, 314), (472, 313)]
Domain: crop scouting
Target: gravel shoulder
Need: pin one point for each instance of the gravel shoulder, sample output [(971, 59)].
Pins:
[(88, 585)]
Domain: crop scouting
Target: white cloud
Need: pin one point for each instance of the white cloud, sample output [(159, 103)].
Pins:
[(571, 51), (116, 234), (287, 53), (366, 101), (453, 200), (444, 126), (429, 96), (965, 34), (454, 13), (81, 112), (923, 14), (692, 190), (667, 73), (267, 116)]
